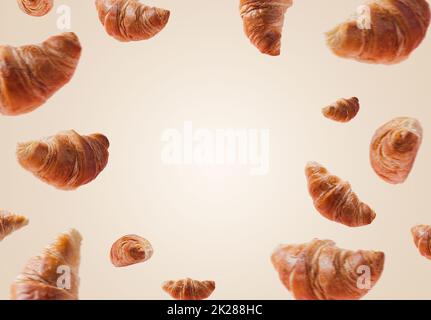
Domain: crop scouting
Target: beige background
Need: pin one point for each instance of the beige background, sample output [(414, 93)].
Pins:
[(218, 224)]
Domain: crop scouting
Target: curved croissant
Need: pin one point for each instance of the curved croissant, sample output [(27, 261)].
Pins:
[(66, 160), (422, 238), (394, 148), (130, 20), (36, 8), (10, 222), (130, 249), (54, 274), (319, 270), (384, 31), (263, 23), (334, 198), (30, 75), (343, 110), (188, 289)]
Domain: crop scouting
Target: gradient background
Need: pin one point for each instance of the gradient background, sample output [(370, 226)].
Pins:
[(215, 223)]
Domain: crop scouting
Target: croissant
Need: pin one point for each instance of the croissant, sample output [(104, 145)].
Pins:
[(386, 31), (54, 274), (263, 23), (334, 198), (319, 270), (130, 20), (394, 148), (422, 238), (10, 222), (343, 110), (129, 250), (188, 289), (36, 8), (66, 160), (30, 75)]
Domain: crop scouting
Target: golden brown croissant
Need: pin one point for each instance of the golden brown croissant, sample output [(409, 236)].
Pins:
[(130, 20), (30, 75), (319, 270), (263, 23), (394, 148), (188, 289), (54, 274), (334, 198), (130, 249), (66, 160), (10, 222), (386, 31), (422, 238), (36, 8), (343, 110)]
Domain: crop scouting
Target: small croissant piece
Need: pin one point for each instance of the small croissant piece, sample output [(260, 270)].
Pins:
[(30, 75), (66, 160), (10, 222), (343, 110), (422, 238), (394, 148), (384, 31), (319, 270), (36, 8), (188, 289), (54, 274), (130, 20), (130, 249), (334, 198), (263, 23)]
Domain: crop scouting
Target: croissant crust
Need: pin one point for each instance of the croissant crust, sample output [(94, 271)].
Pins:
[(40, 279), (343, 110), (130, 249), (130, 20), (10, 222), (319, 270), (36, 8), (188, 289), (31, 74), (67, 160), (335, 199), (394, 148), (422, 238)]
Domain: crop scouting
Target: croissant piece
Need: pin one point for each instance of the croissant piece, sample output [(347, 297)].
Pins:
[(386, 31), (263, 23), (130, 20), (335, 199), (36, 8), (67, 160), (343, 110), (319, 270), (130, 249), (422, 238), (394, 148), (30, 75), (10, 223), (188, 289), (54, 274)]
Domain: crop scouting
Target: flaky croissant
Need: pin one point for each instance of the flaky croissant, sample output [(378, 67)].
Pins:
[(66, 160), (335, 199), (10, 222), (30, 75), (422, 238), (130, 20), (188, 289), (263, 23), (319, 270), (130, 249), (343, 110), (394, 148), (36, 8), (54, 274), (386, 31)]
